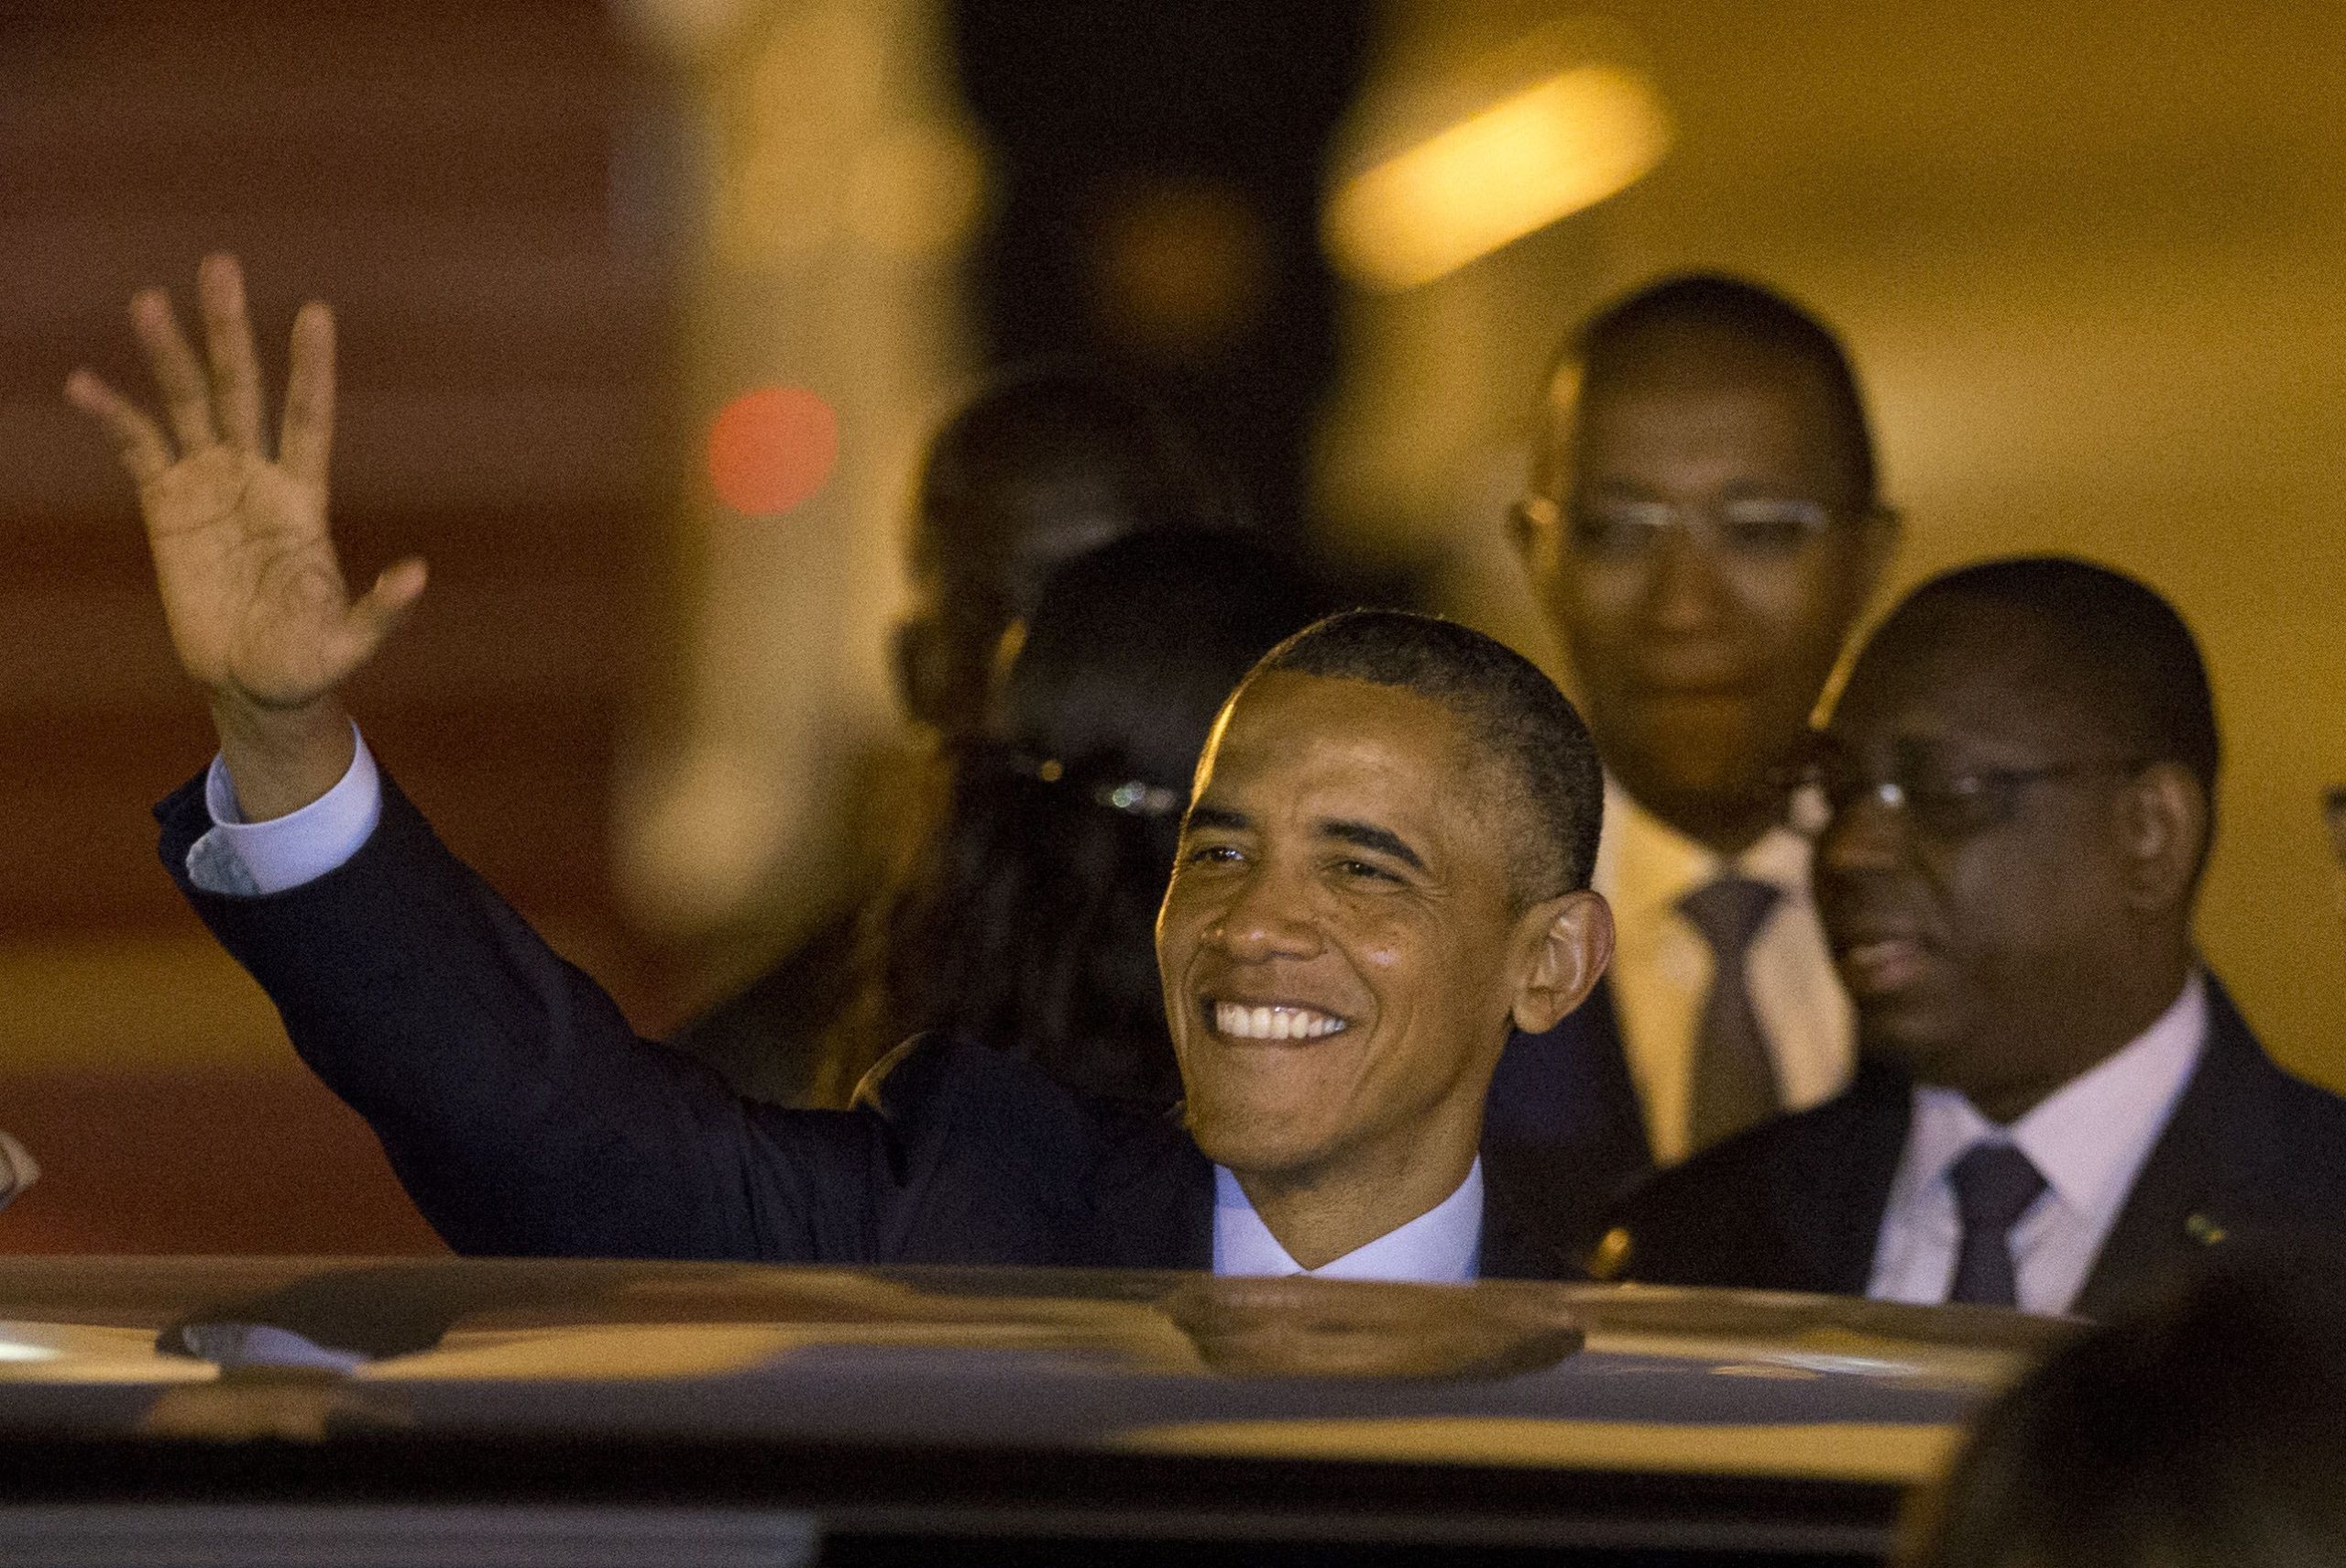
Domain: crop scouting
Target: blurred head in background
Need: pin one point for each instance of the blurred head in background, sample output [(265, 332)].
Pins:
[(2207, 1432), (1702, 528), (1042, 464), (1023, 916)]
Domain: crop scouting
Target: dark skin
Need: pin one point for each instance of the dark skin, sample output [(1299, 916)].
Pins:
[(1347, 862), (1699, 668), (2004, 959)]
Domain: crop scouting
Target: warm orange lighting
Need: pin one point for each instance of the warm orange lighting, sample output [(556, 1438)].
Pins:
[(770, 449), (1530, 158)]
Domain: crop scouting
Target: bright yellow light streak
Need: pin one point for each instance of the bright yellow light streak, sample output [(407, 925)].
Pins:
[(1518, 166)]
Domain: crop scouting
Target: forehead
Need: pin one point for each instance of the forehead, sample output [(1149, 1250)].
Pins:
[(1708, 405), (1968, 671), (1300, 741)]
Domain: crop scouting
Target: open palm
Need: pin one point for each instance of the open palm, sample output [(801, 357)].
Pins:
[(259, 611)]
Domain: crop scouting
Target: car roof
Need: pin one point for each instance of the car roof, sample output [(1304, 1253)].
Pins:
[(1837, 1405)]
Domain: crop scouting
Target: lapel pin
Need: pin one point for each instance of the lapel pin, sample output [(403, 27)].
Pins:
[(2203, 1230)]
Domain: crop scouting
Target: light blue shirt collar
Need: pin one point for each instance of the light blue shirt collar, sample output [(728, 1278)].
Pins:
[(1441, 1247)]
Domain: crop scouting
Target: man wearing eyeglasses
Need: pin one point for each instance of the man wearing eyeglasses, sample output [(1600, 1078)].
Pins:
[(2060, 1107), (1702, 528)]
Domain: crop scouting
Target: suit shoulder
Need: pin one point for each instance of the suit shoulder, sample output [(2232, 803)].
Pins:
[(1714, 1220)]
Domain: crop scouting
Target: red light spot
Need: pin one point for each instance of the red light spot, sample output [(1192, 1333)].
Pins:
[(770, 449)]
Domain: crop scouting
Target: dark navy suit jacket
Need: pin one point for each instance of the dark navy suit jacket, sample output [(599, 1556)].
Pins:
[(2252, 1159), (1564, 1122), (526, 1118)]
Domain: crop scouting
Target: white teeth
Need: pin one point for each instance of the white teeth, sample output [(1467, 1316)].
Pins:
[(1273, 1022)]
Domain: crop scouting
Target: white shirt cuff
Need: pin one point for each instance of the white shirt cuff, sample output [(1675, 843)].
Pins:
[(254, 858)]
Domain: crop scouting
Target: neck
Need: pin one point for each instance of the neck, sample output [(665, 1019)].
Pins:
[(1321, 1214), (2113, 1020)]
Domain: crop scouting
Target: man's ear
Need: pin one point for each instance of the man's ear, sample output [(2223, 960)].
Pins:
[(1571, 941), (2163, 825)]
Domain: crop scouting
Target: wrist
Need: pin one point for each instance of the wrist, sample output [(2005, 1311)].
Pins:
[(280, 760)]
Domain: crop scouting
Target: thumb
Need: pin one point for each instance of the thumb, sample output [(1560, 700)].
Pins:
[(378, 613)]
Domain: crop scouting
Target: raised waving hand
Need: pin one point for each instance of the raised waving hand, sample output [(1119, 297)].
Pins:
[(259, 613)]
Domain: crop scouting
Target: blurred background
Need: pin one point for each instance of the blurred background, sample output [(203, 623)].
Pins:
[(647, 305)]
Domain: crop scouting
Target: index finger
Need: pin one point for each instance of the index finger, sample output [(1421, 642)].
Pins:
[(137, 441)]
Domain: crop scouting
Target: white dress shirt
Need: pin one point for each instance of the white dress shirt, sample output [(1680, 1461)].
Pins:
[(251, 858), (2088, 1140), (1441, 1247), (1662, 967)]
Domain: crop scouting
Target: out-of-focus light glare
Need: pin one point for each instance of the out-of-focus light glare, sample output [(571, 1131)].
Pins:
[(11, 1350), (1518, 166), (914, 191), (772, 448)]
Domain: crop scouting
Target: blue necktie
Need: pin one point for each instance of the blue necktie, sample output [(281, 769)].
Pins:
[(1994, 1185)]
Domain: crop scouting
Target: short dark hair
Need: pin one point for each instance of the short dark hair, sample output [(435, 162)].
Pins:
[(2135, 661), (1051, 422), (2203, 1428), (1508, 707), (1736, 307)]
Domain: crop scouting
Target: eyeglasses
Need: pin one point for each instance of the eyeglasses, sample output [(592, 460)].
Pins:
[(1942, 803), (1745, 528)]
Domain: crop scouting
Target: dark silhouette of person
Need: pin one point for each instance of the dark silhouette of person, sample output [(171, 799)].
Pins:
[(1042, 464), (2206, 1430), (2059, 1107), (1703, 525)]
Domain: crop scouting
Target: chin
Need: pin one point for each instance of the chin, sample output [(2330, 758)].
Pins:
[(1909, 1038), (1701, 749), (1253, 1142)]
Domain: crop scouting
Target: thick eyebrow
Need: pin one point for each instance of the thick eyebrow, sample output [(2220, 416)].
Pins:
[(1219, 816), (1368, 836)]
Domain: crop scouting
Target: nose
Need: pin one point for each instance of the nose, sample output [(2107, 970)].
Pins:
[(1866, 833), (1687, 593), (1269, 915)]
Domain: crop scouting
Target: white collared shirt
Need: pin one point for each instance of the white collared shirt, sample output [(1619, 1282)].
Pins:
[(2088, 1139), (1662, 967), (251, 858), (1441, 1247)]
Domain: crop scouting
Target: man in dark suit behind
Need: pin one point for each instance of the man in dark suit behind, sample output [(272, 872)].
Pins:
[(1703, 525), (1384, 871), (2058, 1104)]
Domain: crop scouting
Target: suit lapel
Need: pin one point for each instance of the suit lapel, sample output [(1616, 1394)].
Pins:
[(1515, 1244), (1152, 1201), (2177, 1205), (1832, 1186)]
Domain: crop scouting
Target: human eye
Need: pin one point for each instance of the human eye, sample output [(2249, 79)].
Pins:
[(1618, 529), (1763, 526), (1355, 872), (1950, 802), (1209, 854)]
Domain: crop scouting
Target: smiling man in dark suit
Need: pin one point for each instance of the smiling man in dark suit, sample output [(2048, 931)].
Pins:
[(1384, 873), (2059, 1105)]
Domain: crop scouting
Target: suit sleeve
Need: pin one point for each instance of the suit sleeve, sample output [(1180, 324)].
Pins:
[(518, 1107)]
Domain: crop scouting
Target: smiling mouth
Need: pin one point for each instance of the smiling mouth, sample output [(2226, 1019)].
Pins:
[(1270, 1021)]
